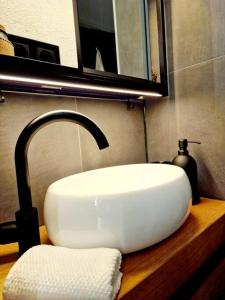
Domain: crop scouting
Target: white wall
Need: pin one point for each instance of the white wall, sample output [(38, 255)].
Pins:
[(49, 21)]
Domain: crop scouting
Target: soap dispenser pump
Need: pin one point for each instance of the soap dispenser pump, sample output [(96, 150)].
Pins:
[(187, 162)]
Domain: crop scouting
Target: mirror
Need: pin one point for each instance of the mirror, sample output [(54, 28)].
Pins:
[(41, 30), (114, 36), (102, 42)]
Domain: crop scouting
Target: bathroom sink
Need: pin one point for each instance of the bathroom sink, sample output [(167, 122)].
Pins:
[(126, 207)]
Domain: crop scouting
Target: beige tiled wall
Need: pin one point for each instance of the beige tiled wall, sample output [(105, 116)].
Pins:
[(195, 108), (62, 149), (123, 129), (53, 152)]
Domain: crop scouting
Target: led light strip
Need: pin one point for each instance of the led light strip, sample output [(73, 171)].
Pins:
[(54, 84)]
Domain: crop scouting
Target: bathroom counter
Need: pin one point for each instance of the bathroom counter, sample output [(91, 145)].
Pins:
[(168, 267)]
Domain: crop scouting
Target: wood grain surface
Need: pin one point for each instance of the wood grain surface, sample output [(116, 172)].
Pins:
[(157, 272)]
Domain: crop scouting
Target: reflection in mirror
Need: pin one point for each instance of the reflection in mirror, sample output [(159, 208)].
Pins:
[(115, 36), (154, 37), (41, 30), (97, 35)]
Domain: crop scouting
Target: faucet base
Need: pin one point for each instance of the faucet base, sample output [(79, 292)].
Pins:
[(28, 229)]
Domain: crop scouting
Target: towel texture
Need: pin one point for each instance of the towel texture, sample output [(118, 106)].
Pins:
[(48, 272)]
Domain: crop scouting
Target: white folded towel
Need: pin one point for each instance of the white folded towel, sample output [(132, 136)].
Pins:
[(48, 272)]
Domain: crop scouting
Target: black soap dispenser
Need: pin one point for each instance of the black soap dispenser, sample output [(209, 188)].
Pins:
[(187, 162)]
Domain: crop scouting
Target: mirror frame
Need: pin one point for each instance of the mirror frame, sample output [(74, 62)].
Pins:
[(17, 68)]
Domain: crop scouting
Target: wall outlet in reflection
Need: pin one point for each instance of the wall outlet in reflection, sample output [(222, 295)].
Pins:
[(33, 49), (48, 55), (22, 50)]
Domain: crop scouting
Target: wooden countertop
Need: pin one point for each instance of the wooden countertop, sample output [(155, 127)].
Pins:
[(157, 272)]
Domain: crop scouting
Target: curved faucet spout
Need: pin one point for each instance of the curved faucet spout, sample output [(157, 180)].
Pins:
[(23, 183)]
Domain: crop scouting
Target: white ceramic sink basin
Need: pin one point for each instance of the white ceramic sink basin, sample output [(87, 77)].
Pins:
[(126, 207)]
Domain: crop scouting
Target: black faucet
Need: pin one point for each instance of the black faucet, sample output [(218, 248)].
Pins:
[(27, 224)]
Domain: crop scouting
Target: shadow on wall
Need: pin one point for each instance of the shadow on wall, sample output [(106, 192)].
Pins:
[(205, 176)]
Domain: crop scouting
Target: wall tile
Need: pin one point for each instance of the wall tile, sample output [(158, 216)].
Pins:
[(197, 120), (194, 93), (55, 150), (198, 93), (53, 153), (219, 85), (161, 126), (123, 129), (217, 8), (189, 32)]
